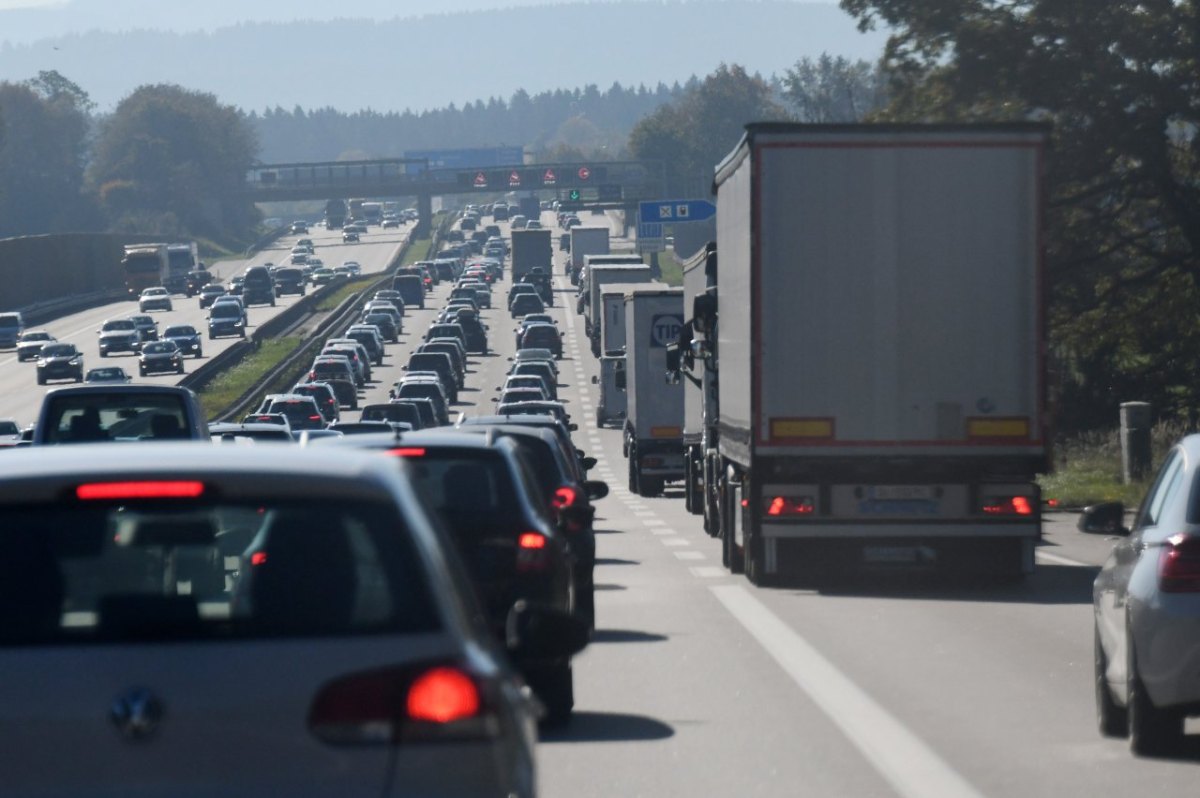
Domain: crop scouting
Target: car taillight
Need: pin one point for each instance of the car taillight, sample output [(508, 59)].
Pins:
[(108, 491), (1007, 505), (1179, 565), (531, 552), (402, 705), (407, 451), (780, 506), (564, 497)]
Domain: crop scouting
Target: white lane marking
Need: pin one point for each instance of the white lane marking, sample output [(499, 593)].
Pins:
[(707, 571), (690, 555), (903, 759), (675, 542), (645, 513), (663, 531), (652, 522), (1054, 559)]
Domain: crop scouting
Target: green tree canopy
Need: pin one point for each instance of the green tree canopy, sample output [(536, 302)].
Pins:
[(694, 133), (830, 89), (1118, 80), (168, 148), (44, 127)]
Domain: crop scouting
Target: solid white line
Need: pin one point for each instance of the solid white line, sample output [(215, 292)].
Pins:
[(907, 763), (1054, 559)]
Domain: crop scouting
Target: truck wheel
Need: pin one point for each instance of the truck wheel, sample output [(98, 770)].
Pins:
[(689, 482), (633, 476), (103, 353), (1113, 720), (731, 553)]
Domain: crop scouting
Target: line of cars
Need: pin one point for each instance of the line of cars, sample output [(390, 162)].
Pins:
[(392, 611)]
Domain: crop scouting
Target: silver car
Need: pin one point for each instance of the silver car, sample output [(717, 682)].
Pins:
[(174, 601), (1147, 609)]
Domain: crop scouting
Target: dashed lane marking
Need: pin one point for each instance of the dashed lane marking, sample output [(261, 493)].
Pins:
[(706, 571), (675, 542), (690, 555)]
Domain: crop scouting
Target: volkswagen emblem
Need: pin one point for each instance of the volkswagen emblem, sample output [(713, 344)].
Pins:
[(136, 713)]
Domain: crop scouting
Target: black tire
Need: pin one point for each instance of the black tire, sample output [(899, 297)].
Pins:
[(651, 486), (141, 372), (556, 689), (199, 353), (41, 380), (1152, 731), (1112, 720), (633, 477), (180, 369), (731, 556)]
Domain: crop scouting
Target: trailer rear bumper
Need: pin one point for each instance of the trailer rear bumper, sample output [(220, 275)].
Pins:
[(857, 530)]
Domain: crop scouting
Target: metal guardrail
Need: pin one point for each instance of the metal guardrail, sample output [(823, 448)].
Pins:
[(40, 312)]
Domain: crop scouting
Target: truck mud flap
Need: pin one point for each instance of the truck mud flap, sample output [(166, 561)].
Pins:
[(969, 559)]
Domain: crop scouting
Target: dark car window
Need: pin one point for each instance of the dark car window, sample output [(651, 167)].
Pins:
[(1165, 486), (94, 572), (88, 418)]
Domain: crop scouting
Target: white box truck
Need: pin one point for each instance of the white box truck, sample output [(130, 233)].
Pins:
[(598, 277), (584, 293), (880, 346), (653, 435), (611, 404), (700, 416), (585, 241)]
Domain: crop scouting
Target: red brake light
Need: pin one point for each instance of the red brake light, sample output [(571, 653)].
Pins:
[(1007, 505), (778, 506), (258, 558), (443, 695), (565, 496), (532, 540), (140, 490), (1179, 565), (407, 451)]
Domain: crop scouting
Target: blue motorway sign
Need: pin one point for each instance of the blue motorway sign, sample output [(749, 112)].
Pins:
[(676, 211), (476, 158)]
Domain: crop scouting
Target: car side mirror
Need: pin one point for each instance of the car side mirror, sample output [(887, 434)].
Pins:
[(573, 427), (595, 380), (588, 463), (1107, 518), (543, 632), (595, 489)]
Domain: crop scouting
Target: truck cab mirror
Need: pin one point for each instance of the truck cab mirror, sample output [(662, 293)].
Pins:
[(620, 380), (704, 312), (673, 358)]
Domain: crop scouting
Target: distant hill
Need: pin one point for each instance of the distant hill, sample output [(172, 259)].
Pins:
[(430, 61)]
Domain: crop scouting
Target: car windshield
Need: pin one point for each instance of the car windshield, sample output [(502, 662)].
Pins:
[(123, 325), (106, 373), (226, 310), (159, 348), (9, 428), (58, 350), (100, 572), (181, 331)]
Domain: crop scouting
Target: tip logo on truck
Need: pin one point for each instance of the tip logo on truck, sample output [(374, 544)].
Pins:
[(664, 329)]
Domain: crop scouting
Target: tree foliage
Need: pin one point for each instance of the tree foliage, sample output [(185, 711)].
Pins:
[(829, 89), (179, 157), (698, 130), (44, 127), (1118, 80)]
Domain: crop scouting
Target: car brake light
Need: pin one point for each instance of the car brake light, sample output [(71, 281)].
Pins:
[(1179, 565), (564, 497), (407, 451), (140, 490), (1007, 505), (531, 552), (778, 506), (399, 705)]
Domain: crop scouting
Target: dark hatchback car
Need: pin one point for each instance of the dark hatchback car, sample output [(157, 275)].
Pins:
[(426, 410), (542, 336), (452, 349), (567, 496), (487, 496), (523, 304), (438, 362), (160, 356), (186, 337), (59, 361), (323, 392), (258, 287), (425, 389), (411, 288), (394, 412), (289, 280)]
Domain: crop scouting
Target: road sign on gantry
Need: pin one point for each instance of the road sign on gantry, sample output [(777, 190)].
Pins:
[(549, 178), (674, 211), (481, 180), (584, 173), (514, 179)]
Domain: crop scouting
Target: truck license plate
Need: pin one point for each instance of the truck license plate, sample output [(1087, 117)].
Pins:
[(902, 492)]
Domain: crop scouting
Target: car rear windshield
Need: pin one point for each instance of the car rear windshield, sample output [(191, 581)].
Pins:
[(125, 416), (471, 488), (114, 570)]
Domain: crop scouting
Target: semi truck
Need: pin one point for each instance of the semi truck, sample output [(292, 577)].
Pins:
[(598, 277), (144, 266), (335, 214), (619, 259), (585, 241), (701, 460), (531, 249), (182, 258), (877, 337), (653, 432), (611, 404)]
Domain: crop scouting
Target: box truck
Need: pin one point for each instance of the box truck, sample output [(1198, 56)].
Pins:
[(598, 278), (653, 432), (611, 380), (531, 249), (878, 334), (585, 241)]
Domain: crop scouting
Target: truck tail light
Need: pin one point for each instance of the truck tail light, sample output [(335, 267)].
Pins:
[(781, 506), (564, 497), (1007, 505), (1179, 565), (403, 704), (115, 491)]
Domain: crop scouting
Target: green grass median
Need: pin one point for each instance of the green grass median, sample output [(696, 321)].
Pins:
[(227, 388)]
